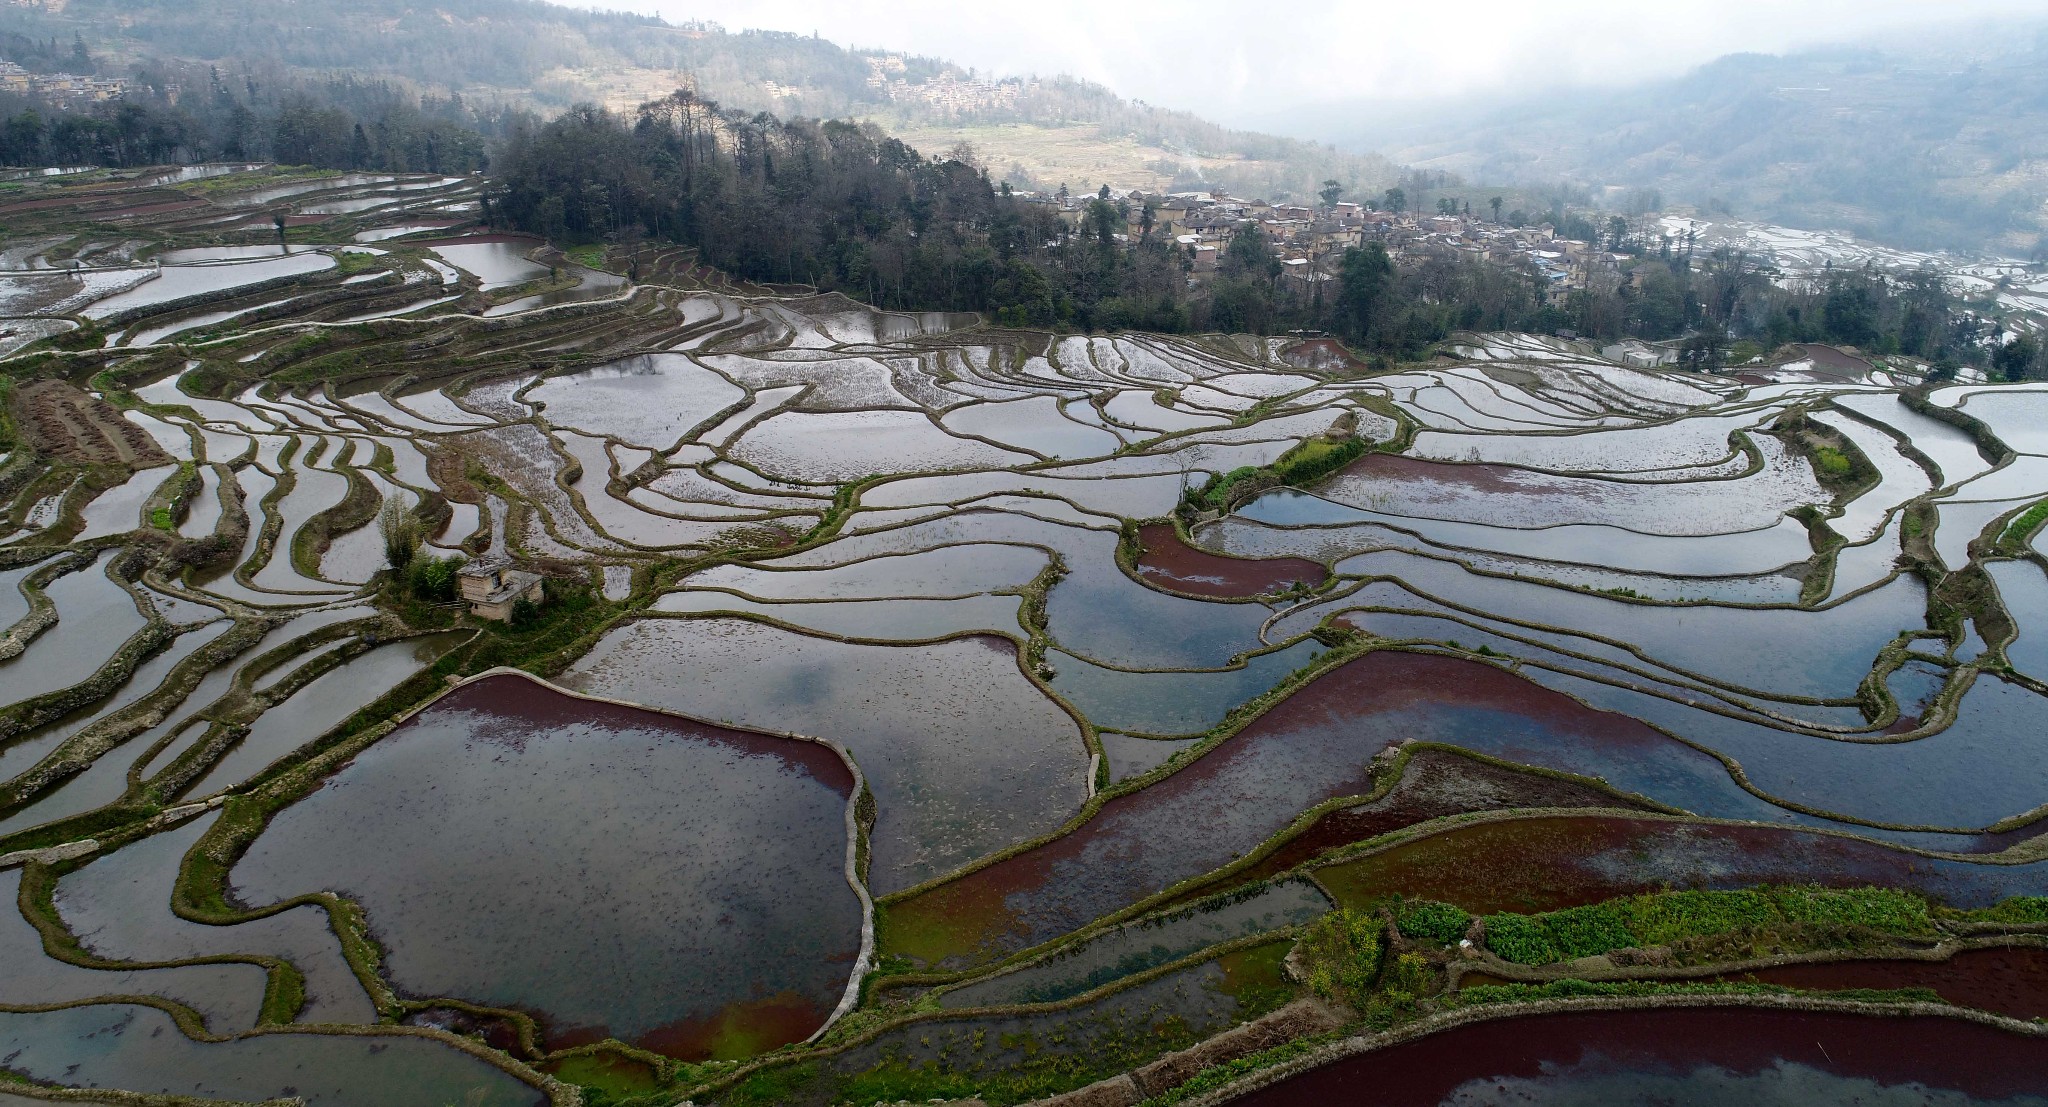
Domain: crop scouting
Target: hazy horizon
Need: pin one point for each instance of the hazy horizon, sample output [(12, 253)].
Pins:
[(1252, 75)]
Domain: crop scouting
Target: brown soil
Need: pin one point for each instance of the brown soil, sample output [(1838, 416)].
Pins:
[(1827, 357), (1171, 563), (1320, 353), (59, 421)]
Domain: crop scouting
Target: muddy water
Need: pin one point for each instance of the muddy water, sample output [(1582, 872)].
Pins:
[(1174, 564), (1434, 784), (226, 996), (497, 262), (1146, 944), (947, 571), (829, 447), (119, 510), (1098, 612), (1942, 780), (94, 616), (1683, 1058), (1131, 756), (119, 908), (1543, 864), (883, 620), (677, 885), (321, 705), (141, 1049), (107, 778), (1315, 745), (1170, 702), (2011, 981), (963, 754), (651, 400), (1075, 1046), (1035, 425)]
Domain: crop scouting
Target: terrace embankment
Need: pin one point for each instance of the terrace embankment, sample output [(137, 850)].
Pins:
[(63, 423)]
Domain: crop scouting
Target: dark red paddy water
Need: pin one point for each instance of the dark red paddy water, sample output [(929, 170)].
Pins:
[(1656, 1056)]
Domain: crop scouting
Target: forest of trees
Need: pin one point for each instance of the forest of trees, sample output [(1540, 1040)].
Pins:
[(178, 112), (843, 207)]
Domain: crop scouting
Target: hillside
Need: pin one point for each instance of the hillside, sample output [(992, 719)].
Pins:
[(1943, 146), (545, 57)]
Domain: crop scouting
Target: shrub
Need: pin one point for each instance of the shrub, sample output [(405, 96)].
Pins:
[(1408, 978), (1217, 492), (402, 533), (432, 579), (1341, 951), (1439, 922)]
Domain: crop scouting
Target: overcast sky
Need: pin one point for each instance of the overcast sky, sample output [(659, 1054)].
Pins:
[(1243, 62)]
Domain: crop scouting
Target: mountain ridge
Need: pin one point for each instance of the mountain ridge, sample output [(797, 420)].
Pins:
[(1036, 132)]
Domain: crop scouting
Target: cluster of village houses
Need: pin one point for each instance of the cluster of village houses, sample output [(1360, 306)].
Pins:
[(1311, 240), (60, 90)]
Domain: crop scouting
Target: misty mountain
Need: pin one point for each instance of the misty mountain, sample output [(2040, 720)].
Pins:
[(1940, 147), (524, 54)]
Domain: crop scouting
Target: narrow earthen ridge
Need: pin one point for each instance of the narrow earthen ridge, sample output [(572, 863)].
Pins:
[(1301, 1019), (850, 997)]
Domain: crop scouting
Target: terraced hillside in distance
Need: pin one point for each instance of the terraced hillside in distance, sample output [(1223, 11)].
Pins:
[(916, 709)]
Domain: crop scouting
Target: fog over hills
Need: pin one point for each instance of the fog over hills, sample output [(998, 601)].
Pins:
[(544, 57), (1941, 143)]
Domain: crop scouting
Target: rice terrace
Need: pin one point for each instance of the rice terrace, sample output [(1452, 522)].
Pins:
[(448, 667)]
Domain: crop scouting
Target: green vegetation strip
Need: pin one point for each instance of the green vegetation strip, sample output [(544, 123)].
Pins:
[(1673, 918)]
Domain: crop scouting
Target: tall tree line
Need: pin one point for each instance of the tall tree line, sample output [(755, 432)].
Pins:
[(843, 207)]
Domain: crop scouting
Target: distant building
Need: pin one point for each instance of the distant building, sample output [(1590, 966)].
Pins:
[(61, 90), (1637, 354), (493, 584)]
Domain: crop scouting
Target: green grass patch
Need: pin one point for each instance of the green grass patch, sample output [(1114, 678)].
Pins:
[(1833, 464), (2014, 540), (1676, 918), (605, 1076), (1216, 493), (1488, 994), (1441, 923), (1316, 458), (771, 1086), (2017, 911)]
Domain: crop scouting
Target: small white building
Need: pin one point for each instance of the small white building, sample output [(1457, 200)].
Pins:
[(493, 584), (1637, 354)]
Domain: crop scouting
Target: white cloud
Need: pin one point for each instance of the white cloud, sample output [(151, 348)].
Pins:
[(1234, 61)]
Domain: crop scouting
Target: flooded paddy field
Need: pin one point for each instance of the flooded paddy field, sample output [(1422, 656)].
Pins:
[(983, 712), (728, 923), (1687, 1057)]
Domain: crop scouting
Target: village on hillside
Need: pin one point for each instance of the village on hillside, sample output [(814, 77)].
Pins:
[(1311, 239)]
